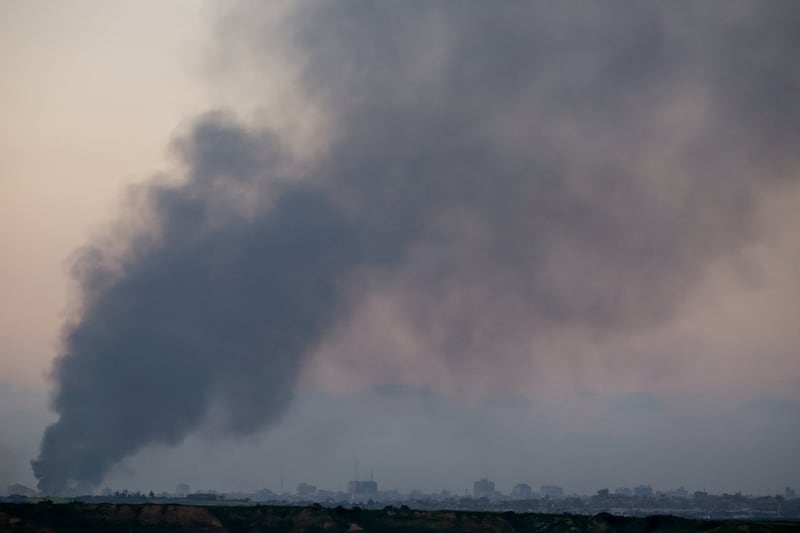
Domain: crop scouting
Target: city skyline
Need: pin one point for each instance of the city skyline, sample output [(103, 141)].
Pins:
[(362, 490), (516, 450)]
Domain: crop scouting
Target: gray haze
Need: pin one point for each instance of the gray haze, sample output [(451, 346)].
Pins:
[(502, 174), (414, 439)]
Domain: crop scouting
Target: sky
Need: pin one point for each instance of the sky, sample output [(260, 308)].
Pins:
[(551, 243)]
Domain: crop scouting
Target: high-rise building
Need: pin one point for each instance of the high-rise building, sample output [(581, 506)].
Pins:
[(362, 487), (483, 488), (522, 491)]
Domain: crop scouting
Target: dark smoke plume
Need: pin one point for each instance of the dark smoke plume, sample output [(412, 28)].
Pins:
[(218, 306), (507, 168)]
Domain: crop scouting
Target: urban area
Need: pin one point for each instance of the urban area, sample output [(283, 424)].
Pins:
[(640, 500)]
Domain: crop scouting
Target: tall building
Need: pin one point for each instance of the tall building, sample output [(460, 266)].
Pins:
[(522, 491), (483, 488), (362, 487)]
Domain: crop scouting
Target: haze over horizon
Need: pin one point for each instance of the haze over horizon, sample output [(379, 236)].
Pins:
[(544, 243)]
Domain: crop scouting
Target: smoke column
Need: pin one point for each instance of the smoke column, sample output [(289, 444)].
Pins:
[(509, 169)]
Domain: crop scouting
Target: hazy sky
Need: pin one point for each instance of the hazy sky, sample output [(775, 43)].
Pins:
[(552, 244)]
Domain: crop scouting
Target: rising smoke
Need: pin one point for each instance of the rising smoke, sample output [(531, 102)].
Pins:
[(498, 170)]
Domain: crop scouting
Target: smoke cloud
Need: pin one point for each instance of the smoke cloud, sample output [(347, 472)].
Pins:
[(497, 173)]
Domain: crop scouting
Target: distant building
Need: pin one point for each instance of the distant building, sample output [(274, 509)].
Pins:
[(306, 489), (522, 491), (264, 495), (552, 491), (362, 487), (182, 489), (483, 488), (324, 495), (206, 496), (680, 492), (789, 493), (643, 491), (623, 491)]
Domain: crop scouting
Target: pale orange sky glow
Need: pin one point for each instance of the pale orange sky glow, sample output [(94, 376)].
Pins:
[(92, 93)]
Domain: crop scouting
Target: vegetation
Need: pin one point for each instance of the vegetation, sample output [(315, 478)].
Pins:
[(80, 517)]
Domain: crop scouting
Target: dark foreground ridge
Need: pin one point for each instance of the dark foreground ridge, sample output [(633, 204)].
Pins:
[(110, 517)]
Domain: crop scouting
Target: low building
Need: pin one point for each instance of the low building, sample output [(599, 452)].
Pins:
[(680, 492), (181, 490), (306, 489), (206, 496), (552, 492)]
